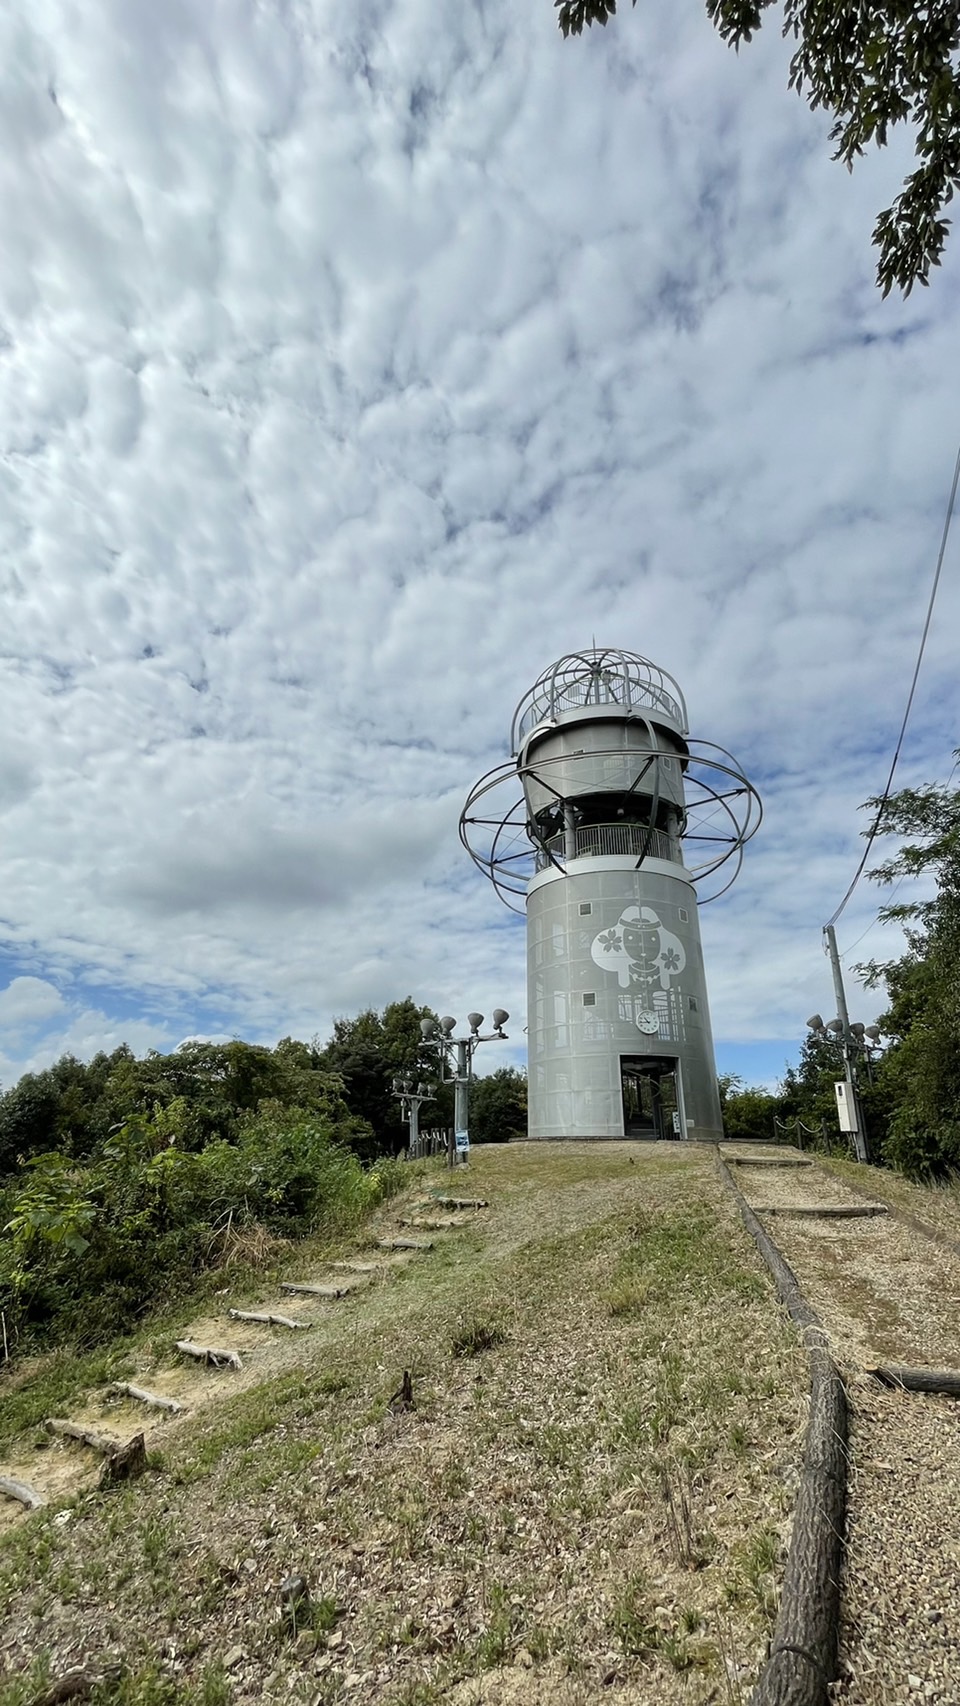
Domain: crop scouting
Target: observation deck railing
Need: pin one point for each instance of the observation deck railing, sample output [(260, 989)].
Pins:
[(547, 702), (600, 840)]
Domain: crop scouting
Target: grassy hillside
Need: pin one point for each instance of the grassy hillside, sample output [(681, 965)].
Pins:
[(590, 1497)]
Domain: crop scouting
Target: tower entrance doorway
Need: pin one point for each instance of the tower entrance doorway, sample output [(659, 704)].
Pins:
[(650, 1097)]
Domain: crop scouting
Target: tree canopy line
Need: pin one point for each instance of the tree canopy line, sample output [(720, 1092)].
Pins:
[(911, 1094), (872, 65), (123, 1179)]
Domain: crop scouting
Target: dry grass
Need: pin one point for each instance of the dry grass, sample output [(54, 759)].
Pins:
[(250, 1247), (937, 1205), (590, 1498)]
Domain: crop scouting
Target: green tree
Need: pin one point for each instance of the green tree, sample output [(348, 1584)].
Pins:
[(369, 1052), (807, 1093), (498, 1106), (28, 1120), (748, 1112), (203, 1089), (872, 64), (920, 1074), (807, 1090)]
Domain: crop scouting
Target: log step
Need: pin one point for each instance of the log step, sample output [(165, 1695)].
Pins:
[(318, 1288), (404, 1244), (459, 1202), (24, 1494), (212, 1354), (764, 1161), (106, 1444), (125, 1459), (838, 1211), (422, 1223), (360, 1267), (156, 1400), (265, 1319), (917, 1379)]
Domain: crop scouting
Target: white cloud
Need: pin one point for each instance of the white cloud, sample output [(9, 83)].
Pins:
[(353, 365), (28, 1001)]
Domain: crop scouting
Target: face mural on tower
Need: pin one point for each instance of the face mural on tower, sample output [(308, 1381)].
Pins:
[(639, 950)]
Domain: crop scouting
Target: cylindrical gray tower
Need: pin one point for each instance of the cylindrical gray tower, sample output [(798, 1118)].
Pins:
[(621, 814)]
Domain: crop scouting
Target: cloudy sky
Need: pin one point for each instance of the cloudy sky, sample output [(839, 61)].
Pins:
[(357, 361)]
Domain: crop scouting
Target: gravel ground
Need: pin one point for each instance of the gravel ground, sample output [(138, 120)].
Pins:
[(937, 1205), (901, 1635), (885, 1293)]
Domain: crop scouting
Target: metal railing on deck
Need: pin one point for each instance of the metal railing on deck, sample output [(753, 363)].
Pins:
[(601, 840)]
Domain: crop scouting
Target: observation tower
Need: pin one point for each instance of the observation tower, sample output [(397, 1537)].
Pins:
[(622, 823)]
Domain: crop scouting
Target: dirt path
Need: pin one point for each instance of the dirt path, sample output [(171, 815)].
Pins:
[(885, 1294)]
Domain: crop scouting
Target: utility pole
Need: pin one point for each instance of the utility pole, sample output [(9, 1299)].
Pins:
[(461, 1103), (411, 1098), (858, 1131)]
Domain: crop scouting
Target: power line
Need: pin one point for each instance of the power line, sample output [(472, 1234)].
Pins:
[(913, 687), (873, 922)]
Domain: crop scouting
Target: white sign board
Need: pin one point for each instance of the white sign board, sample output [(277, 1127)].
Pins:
[(846, 1110)]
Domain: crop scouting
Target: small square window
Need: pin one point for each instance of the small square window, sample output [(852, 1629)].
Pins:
[(693, 1004), (590, 999), (586, 907), (684, 914)]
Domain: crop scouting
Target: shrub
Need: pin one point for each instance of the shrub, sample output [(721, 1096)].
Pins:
[(85, 1249)]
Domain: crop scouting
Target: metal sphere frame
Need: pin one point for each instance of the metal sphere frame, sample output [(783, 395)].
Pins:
[(505, 847)]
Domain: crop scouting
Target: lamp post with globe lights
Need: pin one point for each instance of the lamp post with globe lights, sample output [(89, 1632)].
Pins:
[(457, 1053), (858, 1042)]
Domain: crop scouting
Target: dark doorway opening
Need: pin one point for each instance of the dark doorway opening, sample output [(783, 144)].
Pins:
[(650, 1099)]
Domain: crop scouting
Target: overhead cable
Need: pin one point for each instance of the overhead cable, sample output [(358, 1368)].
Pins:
[(913, 687)]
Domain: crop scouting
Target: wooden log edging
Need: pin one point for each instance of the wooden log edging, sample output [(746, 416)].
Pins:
[(804, 1651)]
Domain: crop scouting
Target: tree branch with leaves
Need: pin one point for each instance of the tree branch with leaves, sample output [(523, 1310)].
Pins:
[(872, 64)]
